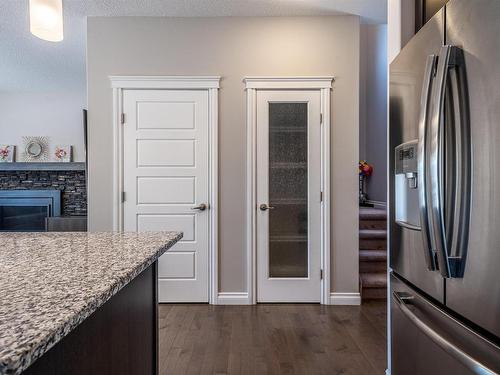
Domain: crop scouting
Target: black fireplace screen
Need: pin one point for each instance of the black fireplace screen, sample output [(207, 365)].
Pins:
[(23, 218), (26, 210)]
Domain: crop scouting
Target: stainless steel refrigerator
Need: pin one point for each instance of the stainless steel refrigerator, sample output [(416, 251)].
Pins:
[(444, 194)]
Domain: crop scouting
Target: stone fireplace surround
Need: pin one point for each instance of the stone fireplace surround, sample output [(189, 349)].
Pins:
[(72, 185)]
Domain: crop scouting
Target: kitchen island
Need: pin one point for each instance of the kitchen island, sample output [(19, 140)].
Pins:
[(80, 303)]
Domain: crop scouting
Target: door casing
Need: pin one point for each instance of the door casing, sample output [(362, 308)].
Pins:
[(324, 86), (209, 83)]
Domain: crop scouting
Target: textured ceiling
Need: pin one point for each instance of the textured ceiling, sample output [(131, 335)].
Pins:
[(28, 63)]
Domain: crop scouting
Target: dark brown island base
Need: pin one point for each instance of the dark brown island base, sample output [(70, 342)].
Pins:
[(119, 338)]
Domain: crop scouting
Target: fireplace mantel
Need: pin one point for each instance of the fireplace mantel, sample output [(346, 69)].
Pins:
[(54, 166)]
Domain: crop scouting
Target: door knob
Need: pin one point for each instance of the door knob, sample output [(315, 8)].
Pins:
[(201, 207), (265, 207)]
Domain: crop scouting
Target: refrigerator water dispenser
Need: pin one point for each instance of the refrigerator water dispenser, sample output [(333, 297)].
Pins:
[(406, 186)]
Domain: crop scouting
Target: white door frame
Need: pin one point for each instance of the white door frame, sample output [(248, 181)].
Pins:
[(253, 84), (209, 83)]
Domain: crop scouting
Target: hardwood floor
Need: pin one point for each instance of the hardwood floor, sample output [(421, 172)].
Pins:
[(273, 339)]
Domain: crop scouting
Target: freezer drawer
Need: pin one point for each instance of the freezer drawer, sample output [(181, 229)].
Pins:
[(427, 341)]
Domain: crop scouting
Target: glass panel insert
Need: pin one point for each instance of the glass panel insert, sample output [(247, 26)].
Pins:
[(23, 218), (288, 241)]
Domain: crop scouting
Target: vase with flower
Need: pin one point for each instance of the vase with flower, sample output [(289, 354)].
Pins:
[(365, 170)]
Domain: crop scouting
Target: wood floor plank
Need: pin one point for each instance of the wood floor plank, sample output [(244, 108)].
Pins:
[(344, 355), (208, 364), (298, 339), (376, 315), (366, 336), (169, 328)]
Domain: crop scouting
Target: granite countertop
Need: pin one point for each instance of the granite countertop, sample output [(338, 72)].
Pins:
[(51, 282)]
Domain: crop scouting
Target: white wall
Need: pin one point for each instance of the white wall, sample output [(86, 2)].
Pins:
[(57, 115), (401, 25), (373, 107), (233, 47), (400, 29)]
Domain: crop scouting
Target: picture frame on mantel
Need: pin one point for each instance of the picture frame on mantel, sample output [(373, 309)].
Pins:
[(7, 153), (63, 153)]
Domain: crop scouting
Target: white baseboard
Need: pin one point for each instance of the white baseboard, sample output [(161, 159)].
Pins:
[(241, 298), (347, 299), (233, 298)]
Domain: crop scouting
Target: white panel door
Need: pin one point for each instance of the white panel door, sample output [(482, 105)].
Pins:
[(288, 196), (166, 166)]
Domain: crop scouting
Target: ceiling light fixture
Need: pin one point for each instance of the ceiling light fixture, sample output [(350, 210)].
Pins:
[(46, 19)]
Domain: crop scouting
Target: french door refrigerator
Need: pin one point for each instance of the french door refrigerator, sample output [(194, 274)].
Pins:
[(444, 194)]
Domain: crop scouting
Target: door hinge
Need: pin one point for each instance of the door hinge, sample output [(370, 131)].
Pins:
[(321, 274), (321, 196), (122, 118), (320, 118), (123, 196)]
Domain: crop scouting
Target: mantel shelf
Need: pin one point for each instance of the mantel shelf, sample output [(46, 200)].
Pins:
[(50, 166)]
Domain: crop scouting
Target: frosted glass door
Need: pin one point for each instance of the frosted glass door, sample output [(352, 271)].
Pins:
[(288, 196), (288, 245)]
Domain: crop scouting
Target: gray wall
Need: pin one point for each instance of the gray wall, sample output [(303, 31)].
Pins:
[(373, 107), (55, 114), (233, 48)]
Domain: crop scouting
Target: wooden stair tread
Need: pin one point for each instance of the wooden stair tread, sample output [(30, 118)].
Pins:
[(373, 224), (373, 255), (372, 249), (373, 280), (372, 234), (372, 244), (366, 213)]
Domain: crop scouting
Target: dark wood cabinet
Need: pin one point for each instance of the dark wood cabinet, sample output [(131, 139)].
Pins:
[(425, 10), (120, 338)]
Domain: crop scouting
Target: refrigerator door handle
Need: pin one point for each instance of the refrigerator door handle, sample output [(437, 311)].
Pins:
[(423, 190), (449, 265), (459, 164), (402, 299), (434, 163)]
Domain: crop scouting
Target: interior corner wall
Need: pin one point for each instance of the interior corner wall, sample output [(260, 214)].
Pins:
[(233, 47), (401, 25), (373, 107), (363, 71)]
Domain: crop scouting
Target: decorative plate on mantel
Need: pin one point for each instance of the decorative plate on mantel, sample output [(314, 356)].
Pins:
[(35, 149)]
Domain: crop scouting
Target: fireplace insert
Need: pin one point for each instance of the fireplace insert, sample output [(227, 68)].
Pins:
[(26, 210)]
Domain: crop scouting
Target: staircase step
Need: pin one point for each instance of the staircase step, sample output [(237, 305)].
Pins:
[(373, 255), (372, 234), (372, 214), (372, 267), (372, 244), (373, 224), (373, 285), (371, 261), (373, 280)]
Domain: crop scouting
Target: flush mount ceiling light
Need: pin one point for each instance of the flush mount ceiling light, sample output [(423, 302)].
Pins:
[(46, 19)]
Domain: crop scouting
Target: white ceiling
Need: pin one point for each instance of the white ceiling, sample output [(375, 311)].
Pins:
[(28, 63)]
